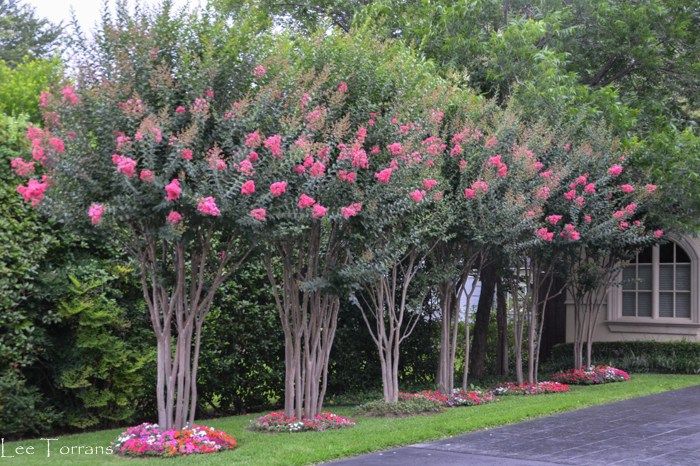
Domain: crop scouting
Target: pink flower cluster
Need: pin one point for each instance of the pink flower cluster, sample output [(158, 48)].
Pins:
[(278, 422), (497, 162), (591, 375), (33, 192), (149, 440), (125, 165), (351, 210)]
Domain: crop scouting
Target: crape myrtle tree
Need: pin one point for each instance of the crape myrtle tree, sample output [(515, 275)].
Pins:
[(322, 145), (490, 168), (581, 207), (393, 238), (132, 151)]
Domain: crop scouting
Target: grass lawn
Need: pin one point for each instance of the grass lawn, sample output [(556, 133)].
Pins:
[(370, 434)]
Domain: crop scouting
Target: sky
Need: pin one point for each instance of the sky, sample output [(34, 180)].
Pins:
[(86, 11)]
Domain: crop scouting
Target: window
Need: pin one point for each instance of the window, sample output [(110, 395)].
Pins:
[(657, 284)]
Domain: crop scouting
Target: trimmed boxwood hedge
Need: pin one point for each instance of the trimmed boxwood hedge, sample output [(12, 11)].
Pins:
[(681, 357)]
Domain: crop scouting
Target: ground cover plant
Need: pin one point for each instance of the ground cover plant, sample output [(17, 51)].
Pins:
[(403, 407)]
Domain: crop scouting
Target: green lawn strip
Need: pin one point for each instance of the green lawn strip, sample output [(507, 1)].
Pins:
[(370, 434)]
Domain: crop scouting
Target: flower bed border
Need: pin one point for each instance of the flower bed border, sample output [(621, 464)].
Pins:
[(458, 398), (276, 421), (592, 376), (541, 388)]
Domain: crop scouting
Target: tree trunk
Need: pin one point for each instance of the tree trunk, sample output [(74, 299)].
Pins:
[(481, 321), (502, 326)]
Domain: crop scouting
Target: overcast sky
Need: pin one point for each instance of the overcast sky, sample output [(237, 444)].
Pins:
[(87, 11)]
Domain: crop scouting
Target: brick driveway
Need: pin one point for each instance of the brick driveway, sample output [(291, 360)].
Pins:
[(662, 429)]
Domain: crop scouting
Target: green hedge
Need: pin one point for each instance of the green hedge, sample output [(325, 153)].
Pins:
[(681, 357)]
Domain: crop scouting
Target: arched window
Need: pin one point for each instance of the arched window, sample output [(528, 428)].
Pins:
[(657, 284)]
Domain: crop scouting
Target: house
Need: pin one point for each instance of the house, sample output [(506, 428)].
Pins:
[(657, 296)]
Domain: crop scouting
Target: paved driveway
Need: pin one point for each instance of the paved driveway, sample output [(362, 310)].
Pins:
[(662, 429)]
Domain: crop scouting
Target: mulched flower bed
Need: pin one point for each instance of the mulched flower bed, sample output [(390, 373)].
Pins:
[(592, 375), (148, 440), (458, 398), (530, 389), (278, 422)]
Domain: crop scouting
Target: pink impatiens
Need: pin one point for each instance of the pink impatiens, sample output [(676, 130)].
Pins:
[(207, 206)]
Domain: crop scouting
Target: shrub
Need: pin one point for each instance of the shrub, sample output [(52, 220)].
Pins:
[(22, 408), (682, 357), (278, 422), (590, 376), (405, 407), (150, 440)]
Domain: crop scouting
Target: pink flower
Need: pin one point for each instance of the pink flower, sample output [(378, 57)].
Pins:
[(207, 206), (631, 208), (317, 169), (542, 193), (38, 154), (351, 210), (544, 234), (580, 180), (361, 134), (587, 218), (274, 145), (383, 176), (186, 154), (95, 212), (553, 219), (546, 174), (580, 201), (278, 188), (491, 142), (125, 165), (259, 71), (627, 188), (570, 195), (436, 116), (253, 156), (245, 167), (438, 196), (658, 234), (146, 176), (502, 170), (180, 109), (253, 139), (624, 225), (34, 133), (248, 188), (21, 167), (569, 232), (173, 190), (650, 188), (34, 191), (305, 201), (259, 214), (462, 165), (299, 169), (480, 186), (417, 195), (347, 176), (343, 87), (174, 217), (429, 183), (615, 170), (618, 214), (589, 188), (57, 144), (69, 95), (318, 211), (217, 163), (538, 165), (200, 106), (495, 160), (469, 193), (360, 159), (44, 99), (395, 148), (456, 150), (305, 99)]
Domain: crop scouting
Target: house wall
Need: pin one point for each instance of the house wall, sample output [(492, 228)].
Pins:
[(612, 326)]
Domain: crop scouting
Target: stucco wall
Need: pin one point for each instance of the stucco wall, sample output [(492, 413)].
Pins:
[(612, 327)]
